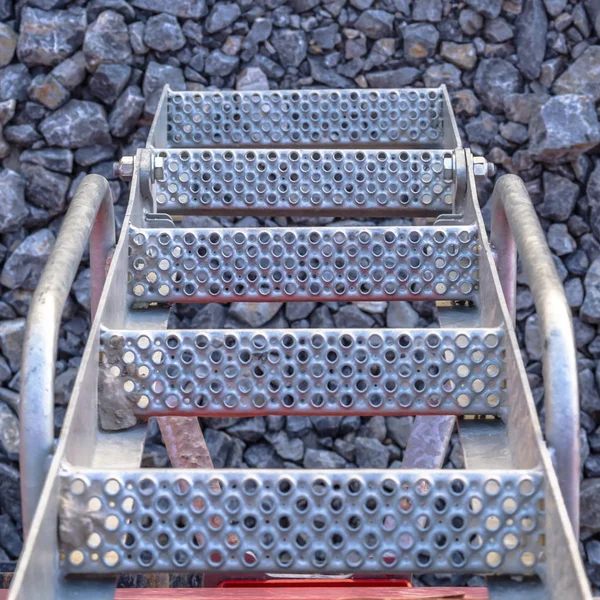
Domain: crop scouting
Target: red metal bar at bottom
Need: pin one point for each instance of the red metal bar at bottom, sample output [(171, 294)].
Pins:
[(315, 593)]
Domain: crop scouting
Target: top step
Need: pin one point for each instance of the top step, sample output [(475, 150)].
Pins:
[(407, 118)]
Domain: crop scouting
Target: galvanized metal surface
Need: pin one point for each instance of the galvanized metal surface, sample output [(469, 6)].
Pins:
[(308, 371), (300, 264), (93, 197), (561, 390), (289, 182), (303, 521), (83, 446), (312, 118)]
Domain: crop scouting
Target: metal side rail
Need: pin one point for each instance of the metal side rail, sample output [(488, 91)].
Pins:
[(393, 153)]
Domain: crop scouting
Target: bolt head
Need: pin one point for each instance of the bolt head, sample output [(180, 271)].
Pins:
[(124, 168)]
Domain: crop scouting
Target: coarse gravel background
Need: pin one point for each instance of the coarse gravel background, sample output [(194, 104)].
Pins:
[(79, 85)]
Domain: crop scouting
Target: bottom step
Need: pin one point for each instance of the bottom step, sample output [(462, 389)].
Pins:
[(275, 521)]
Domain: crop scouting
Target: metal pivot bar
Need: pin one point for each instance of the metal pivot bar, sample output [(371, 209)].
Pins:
[(515, 226), (90, 216)]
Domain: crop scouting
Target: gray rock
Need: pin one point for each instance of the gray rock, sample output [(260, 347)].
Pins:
[(81, 288), (560, 240), (12, 200), (136, 38), (12, 334), (582, 76), (46, 90), (326, 426), (482, 129), (163, 33), (21, 135), (575, 294), (513, 132), (593, 11), (254, 314), (222, 15), (560, 196), (220, 446), (6, 9), (107, 41), (345, 449), (398, 429), (48, 37), (220, 64), (376, 24), (420, 42), (251, 78), (79, 123), (95, 7), (63, 385), (495, 78), (71, 72), (91, 155), (297, 425), (463, 56), (443, 74), (381, 52), (470, 21), (350, 317), (262, 456), (10, 537), (520, 107), (249, 430), (533, 342), (295, 311), (155, 78), (291, 46), (45, 188), (578, 262), (590, 310), (14, 82), (427, 10), (126, 112), (374, 427), (186, 9), (322, 459), (25, 264), (8, 44), (323, 74), (286, 448), (562, 128), (498, 31), (109, 81), (371, 453), (590, 504), (531, 29), (395, 78), (488, 8), (401, 315), (325, 37)]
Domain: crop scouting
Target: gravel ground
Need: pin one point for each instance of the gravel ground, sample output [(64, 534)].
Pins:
[(79, 84)]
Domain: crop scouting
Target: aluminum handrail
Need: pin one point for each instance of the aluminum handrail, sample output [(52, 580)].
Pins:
[(90, 217), (516, 227)]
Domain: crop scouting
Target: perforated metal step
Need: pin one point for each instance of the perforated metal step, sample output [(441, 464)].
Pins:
[(303, 521), (306, 371), (291, 182), (312, 118), (296, 264)]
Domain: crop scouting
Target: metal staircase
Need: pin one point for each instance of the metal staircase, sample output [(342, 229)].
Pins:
[(363, 153)]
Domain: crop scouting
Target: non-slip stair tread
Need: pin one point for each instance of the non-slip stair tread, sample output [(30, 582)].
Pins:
[(306, 118), (306, 371), (291, 182), (303, 263), (393, 521)]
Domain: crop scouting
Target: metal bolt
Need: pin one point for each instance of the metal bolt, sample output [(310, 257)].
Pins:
[(482, 168), (159, 168), (124, 168)]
